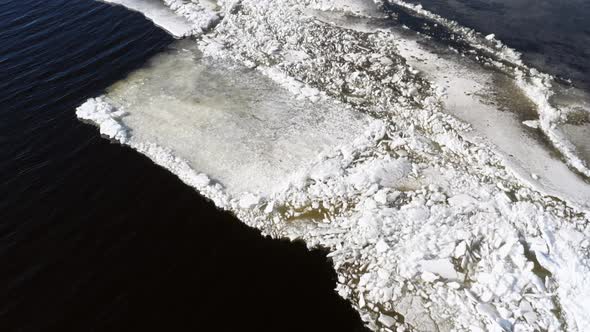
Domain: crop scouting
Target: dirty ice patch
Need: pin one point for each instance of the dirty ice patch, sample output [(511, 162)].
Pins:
[(235, 125)]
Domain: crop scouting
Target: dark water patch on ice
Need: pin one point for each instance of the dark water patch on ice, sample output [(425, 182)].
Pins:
[(94, 236), (579, 135), (426, 27), (511, 98), (444, 38)]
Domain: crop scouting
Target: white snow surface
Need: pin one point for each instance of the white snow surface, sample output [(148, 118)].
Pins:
[(423, 218)]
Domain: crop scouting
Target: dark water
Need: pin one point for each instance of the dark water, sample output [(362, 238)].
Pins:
[(93, 236), (553, 35)]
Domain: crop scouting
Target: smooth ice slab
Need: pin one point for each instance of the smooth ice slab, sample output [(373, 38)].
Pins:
[(160, 14), (233, 124)]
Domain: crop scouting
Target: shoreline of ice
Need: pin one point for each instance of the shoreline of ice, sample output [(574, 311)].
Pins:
[(179, 18), (538, 86), (160, 15), (428, 229)]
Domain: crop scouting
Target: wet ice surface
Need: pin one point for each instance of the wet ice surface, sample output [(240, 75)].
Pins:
[(542, 89), (492, 104), (576, 127), (553, 35), (233, 124), (579, 135)]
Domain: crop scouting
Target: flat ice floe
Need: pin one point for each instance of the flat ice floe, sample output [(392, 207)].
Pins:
[(233, 124), (180, 18), (306, 122), (160, 14)]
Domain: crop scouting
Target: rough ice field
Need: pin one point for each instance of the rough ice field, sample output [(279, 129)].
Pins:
[(416, 167)]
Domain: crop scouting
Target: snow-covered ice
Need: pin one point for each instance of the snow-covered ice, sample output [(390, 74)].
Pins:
[(306, 122)]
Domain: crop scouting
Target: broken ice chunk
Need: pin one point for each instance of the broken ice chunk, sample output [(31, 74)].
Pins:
[(249, 200), (441, 267), (531, 124), (462, 200), (382, 246), (386, 320), (460, 249), (429, 276)]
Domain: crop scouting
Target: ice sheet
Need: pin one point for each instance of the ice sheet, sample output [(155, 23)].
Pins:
[(233, 124), (160, 14)]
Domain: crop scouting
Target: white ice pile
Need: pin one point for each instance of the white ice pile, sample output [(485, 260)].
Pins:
[(106, 117), (429, 227), (202, 15)]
